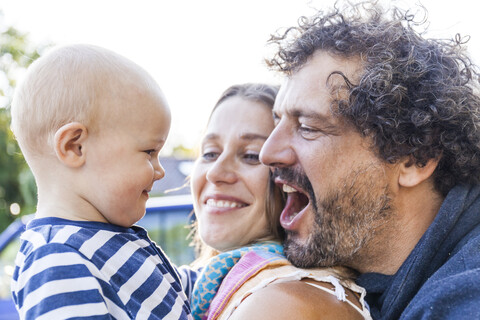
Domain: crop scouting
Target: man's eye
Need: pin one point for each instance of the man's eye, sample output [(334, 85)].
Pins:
[(305, 128), (309, 132)]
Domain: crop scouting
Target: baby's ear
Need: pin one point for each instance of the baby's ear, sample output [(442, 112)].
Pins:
[(68, 144), (412, 174)]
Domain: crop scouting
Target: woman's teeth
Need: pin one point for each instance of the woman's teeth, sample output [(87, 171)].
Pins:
[(288, 189), (224, 204)]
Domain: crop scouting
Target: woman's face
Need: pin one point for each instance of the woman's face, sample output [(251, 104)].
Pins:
[(229, 184)]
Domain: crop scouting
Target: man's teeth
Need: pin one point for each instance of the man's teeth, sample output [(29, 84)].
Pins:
[(224, 204), (288, 189)]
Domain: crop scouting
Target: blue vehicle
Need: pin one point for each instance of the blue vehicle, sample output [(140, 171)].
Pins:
[(166, 220)]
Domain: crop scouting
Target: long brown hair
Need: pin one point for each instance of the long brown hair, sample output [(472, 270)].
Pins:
[(264, 94)]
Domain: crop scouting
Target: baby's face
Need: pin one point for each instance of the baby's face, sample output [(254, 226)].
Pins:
[(122, 158)]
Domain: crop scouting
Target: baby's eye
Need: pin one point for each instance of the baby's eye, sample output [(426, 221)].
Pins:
[(149, 152)]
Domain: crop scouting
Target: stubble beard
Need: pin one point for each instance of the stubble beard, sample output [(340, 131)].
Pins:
[(345, 221)]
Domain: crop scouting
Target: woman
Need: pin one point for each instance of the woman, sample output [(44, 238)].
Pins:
[(237, 208)]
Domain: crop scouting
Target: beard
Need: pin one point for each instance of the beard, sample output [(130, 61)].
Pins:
[(346, 218)]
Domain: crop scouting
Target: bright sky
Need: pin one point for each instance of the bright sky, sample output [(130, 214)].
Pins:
[(195, 49)]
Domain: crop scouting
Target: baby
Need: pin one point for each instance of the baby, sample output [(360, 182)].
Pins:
[(90, 124)]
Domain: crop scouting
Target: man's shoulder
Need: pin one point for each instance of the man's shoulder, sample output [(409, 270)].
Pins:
[(453, 296), (462, 264), (462, 260), (468, 249), (453, 290)]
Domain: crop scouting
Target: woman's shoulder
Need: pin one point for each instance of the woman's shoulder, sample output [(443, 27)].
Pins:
[(298, 300), (284, 291)]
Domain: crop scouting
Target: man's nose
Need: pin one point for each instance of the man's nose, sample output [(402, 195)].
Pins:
[(277, 150)]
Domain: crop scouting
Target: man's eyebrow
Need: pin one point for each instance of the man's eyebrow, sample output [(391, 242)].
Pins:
[(316, 116)]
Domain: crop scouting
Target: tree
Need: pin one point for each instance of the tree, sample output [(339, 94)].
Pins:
[(16, 181)]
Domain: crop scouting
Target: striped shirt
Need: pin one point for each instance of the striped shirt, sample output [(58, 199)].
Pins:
[(73, 269)]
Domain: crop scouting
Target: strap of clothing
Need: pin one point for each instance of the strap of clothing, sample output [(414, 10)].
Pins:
[(339, 291), (255, 271)]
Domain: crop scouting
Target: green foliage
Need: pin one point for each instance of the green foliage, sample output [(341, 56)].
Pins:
[(182, 152), (174, 241), (16, 181)]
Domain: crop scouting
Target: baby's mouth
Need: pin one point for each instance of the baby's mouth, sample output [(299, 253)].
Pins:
[(296, 202)]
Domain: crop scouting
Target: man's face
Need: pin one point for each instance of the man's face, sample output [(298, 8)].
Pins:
[(338, 190)]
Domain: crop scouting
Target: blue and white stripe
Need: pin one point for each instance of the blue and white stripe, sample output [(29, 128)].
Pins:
[(71, 269)]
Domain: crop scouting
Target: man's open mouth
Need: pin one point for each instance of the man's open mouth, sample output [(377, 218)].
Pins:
[(296, 203)]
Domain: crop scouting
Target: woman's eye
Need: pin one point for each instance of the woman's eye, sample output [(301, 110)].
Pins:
[(209, 156), (252, 158)]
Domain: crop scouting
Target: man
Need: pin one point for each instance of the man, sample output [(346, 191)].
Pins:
[(377, 146)]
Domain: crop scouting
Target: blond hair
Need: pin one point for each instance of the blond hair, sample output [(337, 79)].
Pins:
[(67, 85)]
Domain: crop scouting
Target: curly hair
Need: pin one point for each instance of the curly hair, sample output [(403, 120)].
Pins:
[(416, 97)]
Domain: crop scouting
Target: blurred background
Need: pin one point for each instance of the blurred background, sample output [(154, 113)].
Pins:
[(194, 49)]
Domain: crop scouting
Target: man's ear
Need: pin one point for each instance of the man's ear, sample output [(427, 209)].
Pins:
[(412, 175), (68, 143)]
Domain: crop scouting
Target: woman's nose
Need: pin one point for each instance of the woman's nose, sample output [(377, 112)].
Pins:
[(222, 170)]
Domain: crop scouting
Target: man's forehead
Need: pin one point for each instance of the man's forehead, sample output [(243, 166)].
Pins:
[(304, 97), (320, 81)]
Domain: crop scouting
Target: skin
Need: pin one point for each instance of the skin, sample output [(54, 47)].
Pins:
[(347, 181), (229, 170), (229, 184), (105, 175), (287, 300)]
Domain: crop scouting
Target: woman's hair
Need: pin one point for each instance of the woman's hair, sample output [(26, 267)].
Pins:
[(416, 98), (257, 92), (264, 94)]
